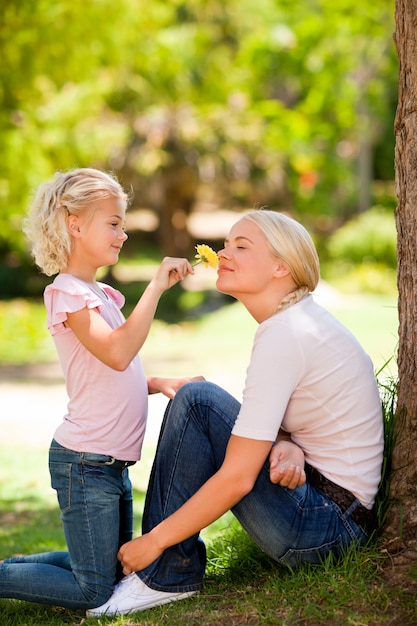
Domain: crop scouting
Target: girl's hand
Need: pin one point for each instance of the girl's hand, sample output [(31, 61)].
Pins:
[(286, 464), (170, 272), (169, 386), (137, 554)]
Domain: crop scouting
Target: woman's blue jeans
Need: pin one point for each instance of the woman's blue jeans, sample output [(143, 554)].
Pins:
[(290, 525), (95, 499)]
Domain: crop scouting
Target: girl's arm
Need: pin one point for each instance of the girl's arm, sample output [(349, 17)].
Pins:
[(236, 478), (117, 347), (168, 386)]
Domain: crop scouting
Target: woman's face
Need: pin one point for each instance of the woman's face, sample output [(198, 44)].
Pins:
[(246, 263)]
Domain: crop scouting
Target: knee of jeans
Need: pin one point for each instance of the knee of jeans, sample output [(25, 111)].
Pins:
[(192, 392), (182, 398), (193, 388)]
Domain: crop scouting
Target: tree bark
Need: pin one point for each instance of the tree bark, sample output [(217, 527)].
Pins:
[(402, 518)]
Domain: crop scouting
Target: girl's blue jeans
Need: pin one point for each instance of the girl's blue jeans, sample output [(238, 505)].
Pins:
[(290, 525), (95, 498)]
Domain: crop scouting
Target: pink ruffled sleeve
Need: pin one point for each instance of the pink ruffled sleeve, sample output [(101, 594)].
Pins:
[(114, 294), (68, 295)]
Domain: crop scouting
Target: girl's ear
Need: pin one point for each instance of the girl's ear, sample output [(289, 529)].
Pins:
[(73, 225)]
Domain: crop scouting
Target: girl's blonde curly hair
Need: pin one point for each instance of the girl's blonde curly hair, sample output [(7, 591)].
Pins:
[(290, 242), (68, 193)]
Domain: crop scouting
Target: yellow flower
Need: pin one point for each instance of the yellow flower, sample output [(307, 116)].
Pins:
[(206, 255)]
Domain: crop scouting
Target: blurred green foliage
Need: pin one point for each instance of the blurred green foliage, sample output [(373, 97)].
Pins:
[(367, 238), (198, 105), (362, 254)]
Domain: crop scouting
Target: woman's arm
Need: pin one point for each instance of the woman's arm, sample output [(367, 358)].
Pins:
[(286, 463), (117, 347), (236, 478)]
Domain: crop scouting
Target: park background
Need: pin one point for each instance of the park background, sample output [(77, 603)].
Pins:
[(204, 109)]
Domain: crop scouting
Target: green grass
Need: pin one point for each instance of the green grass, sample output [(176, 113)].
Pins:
[(243, 586)]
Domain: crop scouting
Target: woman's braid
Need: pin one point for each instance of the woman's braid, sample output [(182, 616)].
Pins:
[(292, 298)]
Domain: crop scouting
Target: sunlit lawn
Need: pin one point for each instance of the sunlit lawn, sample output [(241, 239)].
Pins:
[(242, 586)]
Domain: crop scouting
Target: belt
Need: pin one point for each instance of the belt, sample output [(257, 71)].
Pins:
[(119, 464), (366, 518)]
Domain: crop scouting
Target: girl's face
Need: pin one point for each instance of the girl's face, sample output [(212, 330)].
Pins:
[(246, 263), (100, 237)]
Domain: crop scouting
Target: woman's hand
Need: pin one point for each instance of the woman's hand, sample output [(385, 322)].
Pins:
[(169, 386), (286, 464), (238, 473), (137, 554)]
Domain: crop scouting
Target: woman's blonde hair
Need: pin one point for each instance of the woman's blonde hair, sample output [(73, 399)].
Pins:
[(290, 242), (67, 193)]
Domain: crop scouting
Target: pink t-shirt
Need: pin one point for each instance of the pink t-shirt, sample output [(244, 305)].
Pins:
[(107, 409)]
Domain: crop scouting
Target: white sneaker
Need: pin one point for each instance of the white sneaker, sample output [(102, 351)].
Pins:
[(131, 594)]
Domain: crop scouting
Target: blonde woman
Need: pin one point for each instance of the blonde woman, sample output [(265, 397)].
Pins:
[(309, 380), (76, 226)]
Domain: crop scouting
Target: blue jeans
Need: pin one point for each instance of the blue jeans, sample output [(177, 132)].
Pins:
[(290, 525), (95, 499)]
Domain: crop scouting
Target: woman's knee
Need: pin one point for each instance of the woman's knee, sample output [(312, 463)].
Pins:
[(205, 396), (192, 394)]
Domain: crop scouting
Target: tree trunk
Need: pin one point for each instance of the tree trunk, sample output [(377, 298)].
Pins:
[(401, 525)]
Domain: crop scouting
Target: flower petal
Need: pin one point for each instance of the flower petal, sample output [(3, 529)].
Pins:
[(206, 255)]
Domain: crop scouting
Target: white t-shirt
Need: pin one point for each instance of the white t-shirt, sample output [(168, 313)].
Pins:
[(309, 375), (107, 409)]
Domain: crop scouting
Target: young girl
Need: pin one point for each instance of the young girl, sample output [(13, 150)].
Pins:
[(76, 226), (307, 376)]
